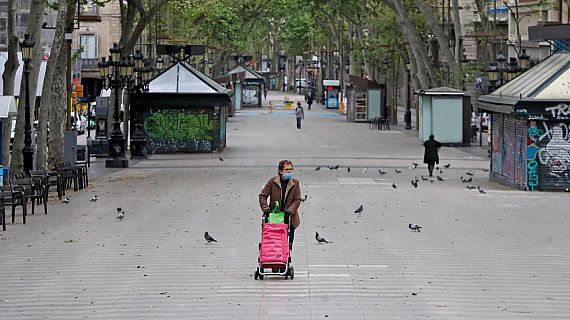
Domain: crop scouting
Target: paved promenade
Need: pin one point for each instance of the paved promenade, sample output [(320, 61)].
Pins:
[(499, 255)]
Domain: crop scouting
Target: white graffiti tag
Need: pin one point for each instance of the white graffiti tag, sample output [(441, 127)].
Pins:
[(556, 154), (561, 110)]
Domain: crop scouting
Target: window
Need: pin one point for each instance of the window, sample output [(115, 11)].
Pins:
[(89, 44)]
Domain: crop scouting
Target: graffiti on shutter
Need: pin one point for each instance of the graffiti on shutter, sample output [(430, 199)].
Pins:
[(548, 155)]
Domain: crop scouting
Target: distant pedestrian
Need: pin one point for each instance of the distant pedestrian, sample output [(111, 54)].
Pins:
[(265, 93), (299, 114), (473, 126), (431, 156), (310, 101)]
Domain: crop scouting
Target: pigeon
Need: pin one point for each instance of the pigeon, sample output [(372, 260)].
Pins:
[(437, 168), (320, 239), (65, 200), (470, 179), (119, 210), (394, 185), (359, 210), (439, 178), (304, 199), (209, 238), (471, 187), (121, 216), (331, 167), (348, 169), (485, 170), (440, 171), (447, 166), (414, 227), (336, 167), (364, 170), (94, 199), (414, 165), (318, 168), (469, 173), (381, 172), (431, 180), (220, 158), (463, 180), (415, 183), (397, 171), (481, 191), (424, 179)]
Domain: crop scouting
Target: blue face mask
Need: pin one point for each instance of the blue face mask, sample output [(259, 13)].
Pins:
[(287, 175)]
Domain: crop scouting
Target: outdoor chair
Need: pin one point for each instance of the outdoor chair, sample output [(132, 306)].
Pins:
[(14, 199), (373, 123), (49, 179), (69, 175), (33, 190)]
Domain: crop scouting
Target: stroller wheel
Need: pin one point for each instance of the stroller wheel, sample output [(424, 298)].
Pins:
[(292, 272), (256, 274), (261, 277)]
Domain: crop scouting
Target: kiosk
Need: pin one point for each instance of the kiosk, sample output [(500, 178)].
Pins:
[(331, 90)]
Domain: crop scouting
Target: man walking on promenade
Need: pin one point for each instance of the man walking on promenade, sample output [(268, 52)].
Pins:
[(430, 154), (299, 114)]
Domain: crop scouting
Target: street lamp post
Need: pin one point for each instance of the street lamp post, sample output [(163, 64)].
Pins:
[(501, 67), (28, 150), (493, 75), (408, 114), (362, 67), (524, 58), (117, 142), (385, 95)]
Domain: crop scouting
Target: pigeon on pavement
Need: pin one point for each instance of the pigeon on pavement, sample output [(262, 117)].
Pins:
[(394, 185), (65, 200), (471, 187), (318, 168), (397, 171), (414, 227), (348, 169), (209, 238), (121, 215), (469, 173), (359, 210), (439, 178), (415, 184), (381, 172), (415, 165), (94, 198), (364, 170), (447, 166), (320, 239), (424, 179), (481, 191), (220, 158), (304, 199)]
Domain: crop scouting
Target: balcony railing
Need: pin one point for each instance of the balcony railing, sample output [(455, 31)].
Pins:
[(501, 15), (89, 64)]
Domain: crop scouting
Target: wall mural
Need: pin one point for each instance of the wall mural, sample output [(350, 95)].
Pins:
[(548, 151), (171, 131)]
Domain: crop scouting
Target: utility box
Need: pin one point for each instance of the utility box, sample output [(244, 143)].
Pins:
[(70, 146)]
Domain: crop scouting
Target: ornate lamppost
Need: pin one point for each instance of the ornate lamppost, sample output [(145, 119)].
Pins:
[(492, 75), (501, 67), (28, 150), (408, 114), (524, 58), (362, 68), (385, 95), (122, 70)]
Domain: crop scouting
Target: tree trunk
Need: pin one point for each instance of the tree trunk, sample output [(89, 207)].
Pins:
[(57, 116), (428, 15), (426, 70), (458, 31), (49, 92), (9, 76), (35, 18), (130, 32)]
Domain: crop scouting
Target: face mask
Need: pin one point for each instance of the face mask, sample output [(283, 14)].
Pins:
[(287, 175)]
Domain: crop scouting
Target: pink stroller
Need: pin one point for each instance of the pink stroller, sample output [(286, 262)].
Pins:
[(274, 252)]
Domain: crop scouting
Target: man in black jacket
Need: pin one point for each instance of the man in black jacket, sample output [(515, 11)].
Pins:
[(430, 155)]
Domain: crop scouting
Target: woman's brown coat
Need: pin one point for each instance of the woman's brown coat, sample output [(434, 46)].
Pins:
[(272, 190)]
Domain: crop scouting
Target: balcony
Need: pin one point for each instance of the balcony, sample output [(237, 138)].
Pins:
[(500, 16), (89, 12), (90, 64)]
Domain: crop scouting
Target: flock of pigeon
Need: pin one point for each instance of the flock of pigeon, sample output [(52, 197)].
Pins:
[(415, 181)]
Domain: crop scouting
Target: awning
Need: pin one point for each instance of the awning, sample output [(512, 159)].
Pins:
[(183, 78), (249, 73), (7, 106)]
